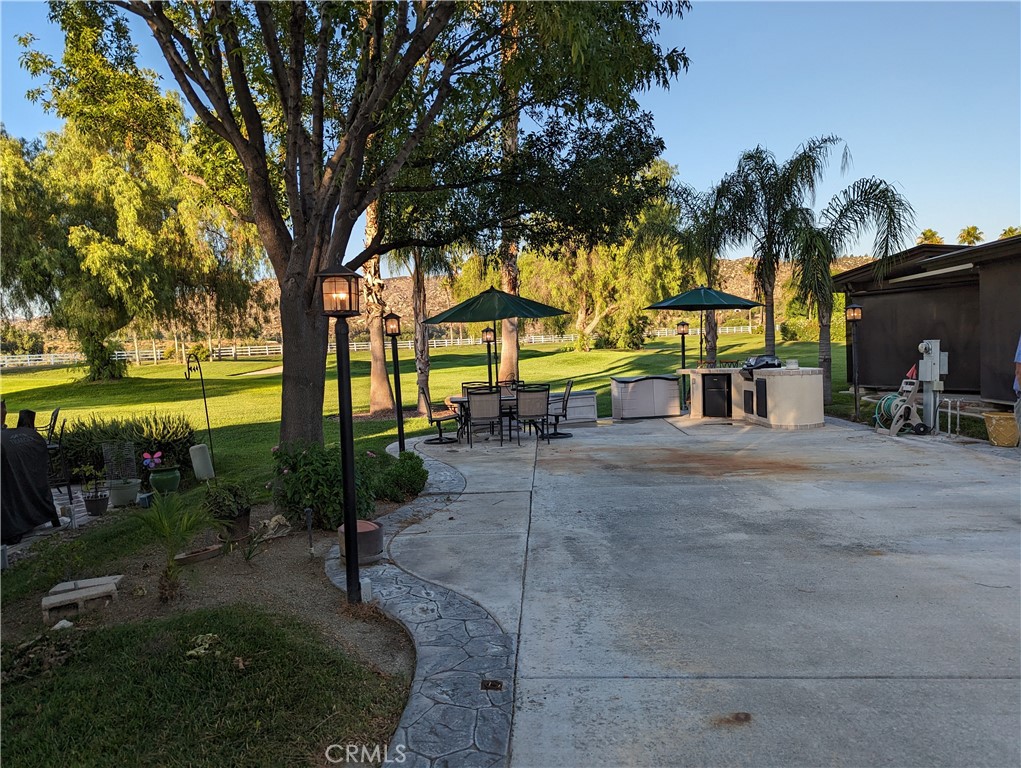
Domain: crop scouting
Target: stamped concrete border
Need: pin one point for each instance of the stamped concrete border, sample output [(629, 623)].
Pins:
[(461, 703)]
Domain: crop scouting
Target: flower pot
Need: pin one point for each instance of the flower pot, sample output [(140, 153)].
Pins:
[(96, 505), (370, 542), (240, 526), (124, 492), (165, 479)]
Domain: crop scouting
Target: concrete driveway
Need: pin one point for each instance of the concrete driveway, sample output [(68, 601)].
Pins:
[(719, 594)]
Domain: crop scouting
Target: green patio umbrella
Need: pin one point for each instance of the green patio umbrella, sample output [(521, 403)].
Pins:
[(493, 304), (705, 300)]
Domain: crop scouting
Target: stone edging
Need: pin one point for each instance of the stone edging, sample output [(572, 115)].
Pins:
[(450, 720)]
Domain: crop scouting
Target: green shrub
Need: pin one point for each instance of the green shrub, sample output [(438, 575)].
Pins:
[(201, 352), (308, 476), (799, 329), (228, 501), (170, 433), (394, 479)]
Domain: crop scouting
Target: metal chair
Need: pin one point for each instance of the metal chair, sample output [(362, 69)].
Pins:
[(57, 469), (436, 421), (560, 412), (484, 408), (51, 428), (533, 409)]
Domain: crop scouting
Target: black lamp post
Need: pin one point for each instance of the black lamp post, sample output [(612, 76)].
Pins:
[(489, 337), (852, 313), (341, 297), (682, 331), (192, 364), (392, 328)]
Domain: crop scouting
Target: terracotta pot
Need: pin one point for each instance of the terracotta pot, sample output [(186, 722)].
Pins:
[(370, 542)]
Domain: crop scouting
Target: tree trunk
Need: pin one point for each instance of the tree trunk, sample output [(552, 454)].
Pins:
[(304, 338), (826, 354), (422, 362), (769, 318), (381, 396), (509, 328), (508, 253), (712, 332)]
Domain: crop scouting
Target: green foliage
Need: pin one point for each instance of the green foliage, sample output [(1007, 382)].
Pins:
[(200, 351), (799, 329), (14, 341), (626, 330), (394, 479), (174, 523), (309, 476), (170, 433), (100, 364), (227, 501)]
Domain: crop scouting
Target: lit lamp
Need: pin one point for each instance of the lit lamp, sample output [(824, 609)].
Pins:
[(489, 337), (392, 328), (341, 297), (852, 313), (682, 331)]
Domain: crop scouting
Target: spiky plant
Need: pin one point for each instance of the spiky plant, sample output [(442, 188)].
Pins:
[(174, 525)]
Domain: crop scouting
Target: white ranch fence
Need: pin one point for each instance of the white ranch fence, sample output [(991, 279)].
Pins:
[(275, 350)]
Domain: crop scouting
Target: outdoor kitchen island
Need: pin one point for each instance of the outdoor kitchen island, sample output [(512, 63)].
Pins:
[(780, 398)]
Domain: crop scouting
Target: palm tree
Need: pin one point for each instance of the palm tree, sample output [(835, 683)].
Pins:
[(711, 222), (1010, 232), (929, 237), (773, 199), (865, 204), (421, 262), (970, 236)]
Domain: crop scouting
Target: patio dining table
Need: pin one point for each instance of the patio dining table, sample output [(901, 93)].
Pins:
[(508, 404)]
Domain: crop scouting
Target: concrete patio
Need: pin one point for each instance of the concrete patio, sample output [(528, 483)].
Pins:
[(708, 593)]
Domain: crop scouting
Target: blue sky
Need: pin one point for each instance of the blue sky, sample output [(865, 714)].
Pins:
[(927, 95)]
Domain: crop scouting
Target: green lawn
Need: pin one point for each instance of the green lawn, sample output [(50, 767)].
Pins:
[(263, 690), (244, 410)]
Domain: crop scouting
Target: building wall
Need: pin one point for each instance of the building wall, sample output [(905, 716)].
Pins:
[(1000, 326), (894, 323)]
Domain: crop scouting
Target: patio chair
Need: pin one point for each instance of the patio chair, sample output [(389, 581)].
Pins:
[(50, 428), (484, 408), (559, 411), (436, 421), (57, 468), (509, 386), (532, 409)]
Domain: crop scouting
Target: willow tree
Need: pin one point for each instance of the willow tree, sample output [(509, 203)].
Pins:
[(298, 91)]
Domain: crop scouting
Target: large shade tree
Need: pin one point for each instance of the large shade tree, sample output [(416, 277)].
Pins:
[(300, 92), (97, 233), (867, 204)]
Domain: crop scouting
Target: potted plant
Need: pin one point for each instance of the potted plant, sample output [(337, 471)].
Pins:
[(163, 477), (93, 491), (122, 474), (230, 503)]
